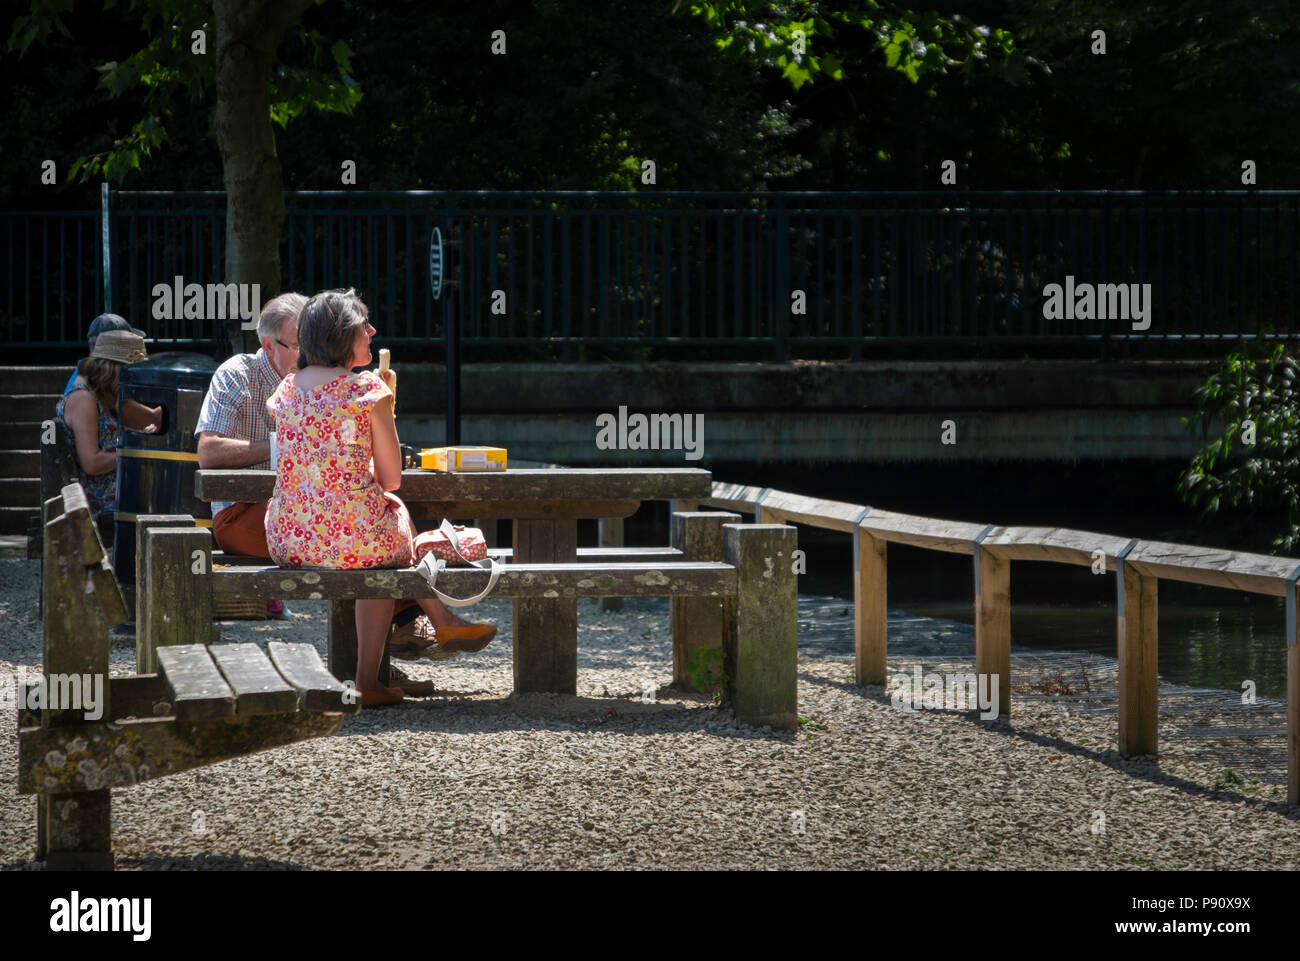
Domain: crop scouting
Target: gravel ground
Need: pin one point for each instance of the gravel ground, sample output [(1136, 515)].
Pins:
[(475, 777)]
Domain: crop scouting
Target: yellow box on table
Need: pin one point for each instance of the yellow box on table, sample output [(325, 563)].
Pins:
[(453, 459)]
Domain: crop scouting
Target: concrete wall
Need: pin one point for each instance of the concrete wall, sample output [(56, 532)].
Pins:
[(821, 412)]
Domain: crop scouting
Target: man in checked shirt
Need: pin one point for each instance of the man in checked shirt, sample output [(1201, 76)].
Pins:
[(234, 431), (234, 428)]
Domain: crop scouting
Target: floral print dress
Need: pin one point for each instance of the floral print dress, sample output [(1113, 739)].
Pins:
[(327, 511), (101, 489)]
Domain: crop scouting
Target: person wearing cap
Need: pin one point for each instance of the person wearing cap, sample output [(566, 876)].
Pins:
[(100, 325), (88, 413)]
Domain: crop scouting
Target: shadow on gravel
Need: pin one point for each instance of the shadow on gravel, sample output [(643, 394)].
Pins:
[(456, 714), (204, 862), (1143, 768), (198, 862)]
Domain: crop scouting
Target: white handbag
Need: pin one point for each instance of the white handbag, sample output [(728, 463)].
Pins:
[(430, 565)]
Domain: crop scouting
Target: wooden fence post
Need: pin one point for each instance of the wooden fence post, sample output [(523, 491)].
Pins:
[(870, 617), (698, 622), (611, 535), (763, 624), (142, 525), (74, 831), (993, 620), (178, 608), (1136, 596), (1292, 691), (1292, 721)]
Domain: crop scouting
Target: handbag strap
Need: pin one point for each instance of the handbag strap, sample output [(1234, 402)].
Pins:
[(431, 564), (429, 567)]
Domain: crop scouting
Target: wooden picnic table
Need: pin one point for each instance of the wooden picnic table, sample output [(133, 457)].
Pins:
[(545, 506)]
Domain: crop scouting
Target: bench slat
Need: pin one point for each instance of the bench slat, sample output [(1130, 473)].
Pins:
[(197, 688), (318, 689), (677, 579), (258, 686)]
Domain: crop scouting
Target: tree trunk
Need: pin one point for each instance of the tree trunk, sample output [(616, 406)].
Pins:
[(248, 34)]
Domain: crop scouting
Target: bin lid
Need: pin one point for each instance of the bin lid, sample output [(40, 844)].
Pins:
[(170, 369), (176, 360)]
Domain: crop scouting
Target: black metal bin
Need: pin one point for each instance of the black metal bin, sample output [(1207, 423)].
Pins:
[(155, 472)]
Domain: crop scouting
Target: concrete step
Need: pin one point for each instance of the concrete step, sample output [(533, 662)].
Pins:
[(35, 380), (28, 407), (20, 492), (20, 435), (13, 520), (20, 463)]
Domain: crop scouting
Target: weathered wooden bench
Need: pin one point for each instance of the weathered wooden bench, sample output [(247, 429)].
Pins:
[(203, 705), (732, 585)]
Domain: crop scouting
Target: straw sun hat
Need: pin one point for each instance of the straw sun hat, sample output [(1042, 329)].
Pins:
[(121, 346)]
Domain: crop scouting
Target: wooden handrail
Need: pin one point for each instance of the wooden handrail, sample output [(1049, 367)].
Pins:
[(1140, 565)]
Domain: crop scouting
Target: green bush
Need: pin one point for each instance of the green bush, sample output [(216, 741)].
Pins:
[(1251, 407)]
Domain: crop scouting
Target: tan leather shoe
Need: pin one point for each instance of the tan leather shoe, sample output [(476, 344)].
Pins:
[(409, 685), (380, 696), (466, 639)]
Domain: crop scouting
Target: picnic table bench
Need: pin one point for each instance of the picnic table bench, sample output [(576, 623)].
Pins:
[(732, 585), (545, 505), (58, 470), (203, 705)]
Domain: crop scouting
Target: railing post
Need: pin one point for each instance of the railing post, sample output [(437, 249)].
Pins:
[(1292, 692), (761, 647), (781, 306), (106, 253), (993, 619), (870, 619), (1136, 600), (698, 622), (1104, 269)]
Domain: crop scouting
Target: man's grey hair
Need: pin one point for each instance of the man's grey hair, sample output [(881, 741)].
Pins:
[(277, 311)]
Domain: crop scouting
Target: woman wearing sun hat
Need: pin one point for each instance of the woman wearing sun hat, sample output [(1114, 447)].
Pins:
[(88, 413)]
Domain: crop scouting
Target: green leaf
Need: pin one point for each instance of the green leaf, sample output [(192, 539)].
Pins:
[(797, 74)]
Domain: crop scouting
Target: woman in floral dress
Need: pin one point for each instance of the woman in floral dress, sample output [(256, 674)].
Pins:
[(338, 459)]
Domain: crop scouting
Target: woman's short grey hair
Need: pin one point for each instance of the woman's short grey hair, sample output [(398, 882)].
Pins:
[(328, 327), (285, 307)]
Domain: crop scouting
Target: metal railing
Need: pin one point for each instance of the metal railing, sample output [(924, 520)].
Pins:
[(562, 271)]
